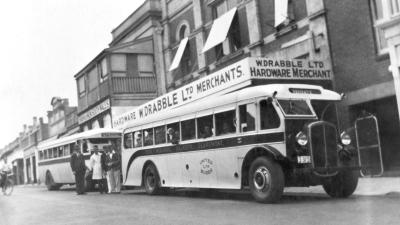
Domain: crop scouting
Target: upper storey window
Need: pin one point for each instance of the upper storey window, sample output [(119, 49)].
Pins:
[(134, 65), (383, 12), (225, 32), (182, 58), (81, 86)]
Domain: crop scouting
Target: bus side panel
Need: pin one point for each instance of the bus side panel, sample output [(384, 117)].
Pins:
[(229, 161), (42, 173), (174, 167)]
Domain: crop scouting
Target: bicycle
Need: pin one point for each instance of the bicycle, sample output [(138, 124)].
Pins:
[(8, 185)]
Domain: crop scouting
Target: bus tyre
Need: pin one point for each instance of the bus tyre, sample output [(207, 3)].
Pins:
[(342, 185), (266, 180), (151, 180), (51, 186)]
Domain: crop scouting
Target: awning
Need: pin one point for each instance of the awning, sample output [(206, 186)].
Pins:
[(219, 30), (281, 11), (179, 54)]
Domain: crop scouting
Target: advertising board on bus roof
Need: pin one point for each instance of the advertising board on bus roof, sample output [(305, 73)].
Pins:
[(230, 78)]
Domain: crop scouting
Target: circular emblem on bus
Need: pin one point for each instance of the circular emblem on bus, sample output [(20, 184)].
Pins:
[(206, 166)]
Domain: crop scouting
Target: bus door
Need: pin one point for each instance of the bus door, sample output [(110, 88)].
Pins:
[(369, 146)]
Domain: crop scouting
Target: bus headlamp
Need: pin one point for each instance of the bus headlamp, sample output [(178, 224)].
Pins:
[(345, 138), (301, 138)]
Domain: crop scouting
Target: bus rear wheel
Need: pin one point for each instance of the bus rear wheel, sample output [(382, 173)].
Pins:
[(266, 180), (151, 180), (51, 186), (342, 185)]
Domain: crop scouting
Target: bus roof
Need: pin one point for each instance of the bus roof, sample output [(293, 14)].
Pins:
[(95, 133), (280, 91)]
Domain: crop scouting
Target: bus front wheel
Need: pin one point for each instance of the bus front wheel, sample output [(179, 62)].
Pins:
[(151, 180), (266, 180), (342, 185)]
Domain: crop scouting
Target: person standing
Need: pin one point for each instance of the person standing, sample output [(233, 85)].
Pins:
[(97, 168), (78, 169), (113, 162)]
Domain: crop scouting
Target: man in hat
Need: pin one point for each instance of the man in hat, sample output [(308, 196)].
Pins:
[(78, 169)]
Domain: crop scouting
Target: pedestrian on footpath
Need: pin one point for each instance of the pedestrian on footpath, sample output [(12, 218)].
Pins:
[(78, 169), (97, 168), (113, 162)]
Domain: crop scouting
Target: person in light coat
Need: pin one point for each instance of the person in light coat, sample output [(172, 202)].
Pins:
[(96, 162)]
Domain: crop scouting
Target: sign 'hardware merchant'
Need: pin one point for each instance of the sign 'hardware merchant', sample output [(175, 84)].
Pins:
[(235, 76)]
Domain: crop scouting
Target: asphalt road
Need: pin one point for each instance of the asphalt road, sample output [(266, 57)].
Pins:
[(35, 205)]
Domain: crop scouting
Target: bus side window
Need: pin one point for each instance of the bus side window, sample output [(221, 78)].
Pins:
[(148, 137), (247, 117), (50, 153), (61, 151), (205, 126), (55, 152), (137, 139), (188, 129), (40, 155), (159, 135), (268, 116), (71, 148), (173, 132), (45, 154), (128, 140), (85, 146), (224, 122), (66, 150)]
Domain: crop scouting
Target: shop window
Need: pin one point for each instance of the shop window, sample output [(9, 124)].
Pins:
[(205, 127), (159, 135), (269, 118), (188, 129), (173, 133), (137, 139), (128, 140), (81, 86), (225, 122), (247, 117), (148, 137), (383, 12)]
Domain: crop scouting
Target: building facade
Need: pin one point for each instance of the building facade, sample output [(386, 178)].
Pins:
[(29, 140), (365, 45), (125, 74), (14, 156), (62, 118)]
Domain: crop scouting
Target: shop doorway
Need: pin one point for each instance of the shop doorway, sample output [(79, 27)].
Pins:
[(385, 110)]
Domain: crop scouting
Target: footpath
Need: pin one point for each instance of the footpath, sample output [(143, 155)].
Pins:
[(376, 186)]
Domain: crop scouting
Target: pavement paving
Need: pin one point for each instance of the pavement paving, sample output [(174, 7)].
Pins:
[(376, 186)]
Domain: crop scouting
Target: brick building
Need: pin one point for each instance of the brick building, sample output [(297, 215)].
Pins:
[(360, 33)]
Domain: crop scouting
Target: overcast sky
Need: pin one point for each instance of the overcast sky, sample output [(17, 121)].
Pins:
[(44, 43)]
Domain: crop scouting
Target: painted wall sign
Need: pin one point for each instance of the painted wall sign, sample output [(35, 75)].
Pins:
[(94, 111), (233, 76)]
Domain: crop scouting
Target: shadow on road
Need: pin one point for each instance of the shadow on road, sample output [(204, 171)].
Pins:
[(232, 195)]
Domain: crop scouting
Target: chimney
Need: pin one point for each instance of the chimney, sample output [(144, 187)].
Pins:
[(40, 120), (34, 121), (25, 127)]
